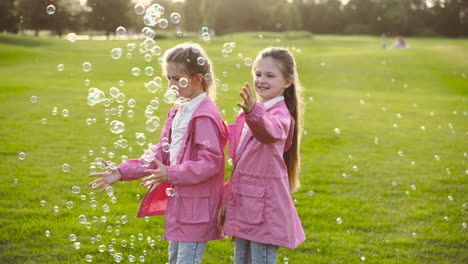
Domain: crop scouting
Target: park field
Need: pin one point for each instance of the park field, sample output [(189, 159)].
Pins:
[(384, 149)]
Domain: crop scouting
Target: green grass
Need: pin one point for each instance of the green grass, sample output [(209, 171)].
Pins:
[(395, 208)]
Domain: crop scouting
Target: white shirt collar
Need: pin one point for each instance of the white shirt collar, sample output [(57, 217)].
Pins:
[(268, 104), (195, 102)]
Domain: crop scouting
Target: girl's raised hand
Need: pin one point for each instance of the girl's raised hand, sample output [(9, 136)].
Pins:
[(247, 97), (107, 178), (157, 176)]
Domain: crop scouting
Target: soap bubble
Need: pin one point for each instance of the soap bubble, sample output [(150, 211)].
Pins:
[(170, 192), (60, 67), (77, 245), (152, 124), (139, 9), (163, 23), (50, 9), (171, 96), (76, 189), (175, 18), (116, 53), (116, 127), (71, 37), (183, 82), (136, 71), (21, 155), (248, 61), (87, 66), (120, 31), (201, 60), (66, 167), (149, 71)]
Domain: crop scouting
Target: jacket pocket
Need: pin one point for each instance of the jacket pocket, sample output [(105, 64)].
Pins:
[(250, 203), (193, 208)]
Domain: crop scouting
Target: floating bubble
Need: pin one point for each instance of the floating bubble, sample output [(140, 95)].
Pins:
[(136, 71), (116, 127), (47, 233), (139, 9), (120, 31), (69, 204), (148, 58), (166, 147), (170, 192), (339, 220), (163, 23), (60, 67), (183, 82), (175, 18), (102, 248), (140, 138), (106, 208), (89, 258), (21, 155), (33, 99), (71, 37), (50, 9), (76, 189), (224, 87), (86, 66), (170, 96), (152, 124), (120, 98), (43, 203), (65, 113), (152, 86), (44, 121), (154, 103), (116, 53), (248, 61), (72, 237), (77, 245), (56, 209), (65, 167), (201, 60), (149, 71), (337, 131)]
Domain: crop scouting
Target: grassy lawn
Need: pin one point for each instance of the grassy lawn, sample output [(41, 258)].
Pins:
[(384, 151)]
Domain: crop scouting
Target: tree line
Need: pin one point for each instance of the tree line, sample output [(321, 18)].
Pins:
[(393, 17)]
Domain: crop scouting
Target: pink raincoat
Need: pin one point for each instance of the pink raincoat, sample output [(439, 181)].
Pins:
[(259, 206), (197, 177)]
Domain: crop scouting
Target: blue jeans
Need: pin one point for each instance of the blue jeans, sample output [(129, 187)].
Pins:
[(249, 252), (186, 252)]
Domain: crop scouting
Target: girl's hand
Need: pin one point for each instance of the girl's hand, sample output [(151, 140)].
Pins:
[(247, 97), (157, 176), (107, 178), (221, 216)]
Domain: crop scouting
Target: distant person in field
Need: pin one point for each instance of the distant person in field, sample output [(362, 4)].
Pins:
[(384, 41), (399, 43), (257, 208), (185, 180)]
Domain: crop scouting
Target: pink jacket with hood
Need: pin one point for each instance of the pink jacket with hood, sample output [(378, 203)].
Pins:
[(197, 177), (258, 202)]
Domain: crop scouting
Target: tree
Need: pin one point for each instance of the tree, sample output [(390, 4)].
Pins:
[(8, 18), (34, 16), (108, 15)]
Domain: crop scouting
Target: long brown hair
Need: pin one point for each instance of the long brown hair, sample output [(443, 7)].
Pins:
[(293, 99), (194, 60)]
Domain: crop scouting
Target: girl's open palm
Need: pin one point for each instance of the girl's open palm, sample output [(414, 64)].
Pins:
[(247, 97), (107, 178)]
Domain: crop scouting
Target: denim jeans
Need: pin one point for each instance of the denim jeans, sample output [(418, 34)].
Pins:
[(249, 252), (186, 252)]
